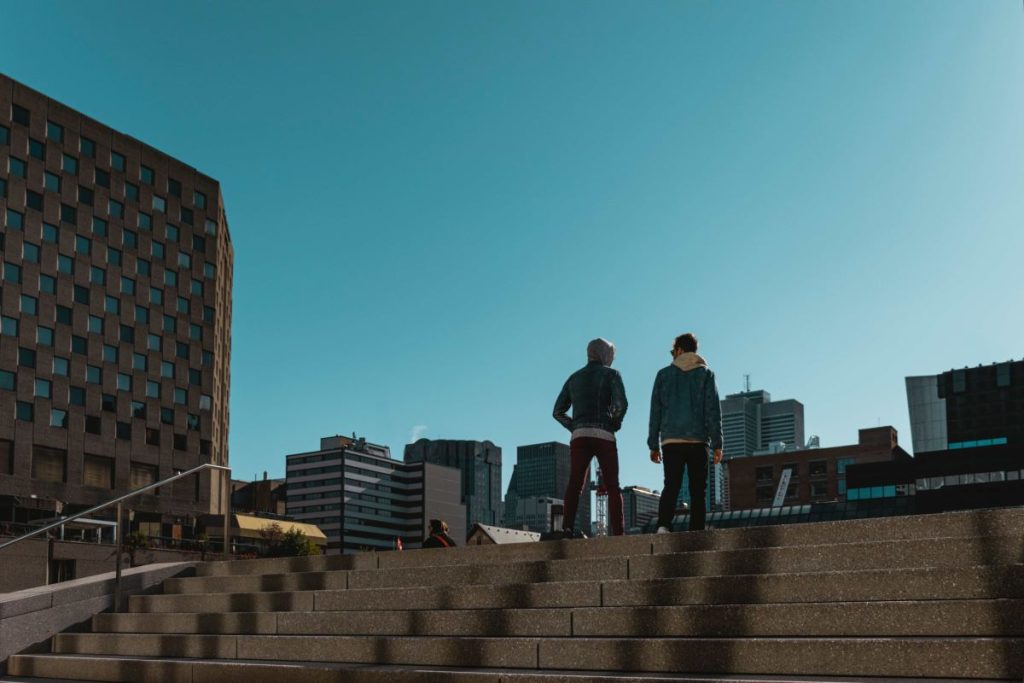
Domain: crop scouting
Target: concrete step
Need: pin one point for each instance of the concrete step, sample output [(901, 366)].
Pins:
[(940, 583), (997, 522), (956, 551), (174, 670), (957, 657), (850, 619)]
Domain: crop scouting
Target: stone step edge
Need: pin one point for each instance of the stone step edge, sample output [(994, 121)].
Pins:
[(997, 513), (587, 560), (385, 673)]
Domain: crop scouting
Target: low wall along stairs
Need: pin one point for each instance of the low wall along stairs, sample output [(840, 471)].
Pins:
[(926, 597)]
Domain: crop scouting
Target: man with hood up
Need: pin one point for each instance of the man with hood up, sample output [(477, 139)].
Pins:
[(686, 420), (598, 402)]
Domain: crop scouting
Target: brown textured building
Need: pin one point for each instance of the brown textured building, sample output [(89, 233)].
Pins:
[(116, 315), (819, 474)]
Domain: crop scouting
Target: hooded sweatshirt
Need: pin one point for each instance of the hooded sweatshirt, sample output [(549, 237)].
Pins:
[(601, 351)]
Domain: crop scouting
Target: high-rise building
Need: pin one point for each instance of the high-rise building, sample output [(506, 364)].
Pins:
[(967, 408), (480, 465), (362, 499), (753, 424), (116, 316), (639, 506), (542, 470)]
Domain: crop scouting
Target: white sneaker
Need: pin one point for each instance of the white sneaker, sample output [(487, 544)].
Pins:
[(663, 530)]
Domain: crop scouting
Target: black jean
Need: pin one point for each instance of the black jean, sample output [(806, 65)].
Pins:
[(676, 458)]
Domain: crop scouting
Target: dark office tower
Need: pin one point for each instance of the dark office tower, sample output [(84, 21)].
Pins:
[(116, 316), (968, 408), (542, 470), (364, 500), (480, 465), (640, 506)]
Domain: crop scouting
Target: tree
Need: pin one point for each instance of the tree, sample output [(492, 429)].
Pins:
[(291, 543)]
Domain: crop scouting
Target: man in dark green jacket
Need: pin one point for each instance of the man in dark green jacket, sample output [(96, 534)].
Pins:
[(686, 420)]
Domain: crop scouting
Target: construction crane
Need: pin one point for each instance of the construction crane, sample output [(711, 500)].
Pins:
[(602, 504)]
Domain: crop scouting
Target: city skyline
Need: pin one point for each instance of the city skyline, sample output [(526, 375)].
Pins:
[(413, 190)]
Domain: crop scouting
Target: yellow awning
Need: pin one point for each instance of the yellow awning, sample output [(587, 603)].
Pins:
[(255, 524)]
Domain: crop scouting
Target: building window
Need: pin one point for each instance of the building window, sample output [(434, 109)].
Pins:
[(195, 332), (154, 342), (79, 345), (12, 273), (142, 475), (63, 315), (49, 464), (183, 305), (124, 431), (81, 294), (44, 388), (5, 135), (37, 149), (130, 239), (50, 233), (153, 389), (115, 208), (24, 411), (138, 409), (68, 214), (93, 425), (142, 267), (818, 468), (142, 315), (111, 304), (69, 164), (173, 187), (192, 422), (30, 252), (59, 418), (184, 260), (29, 304), (167, 416), (101, 178), (7, 380), (93, 375), (180, 442), (170, 278), (170, 324), (159, 204), (51, 181), (205, 402), (139, 361), (1003, 375), (113, 256), (186, 216), (167, 369), (47, 284), (152, 436), (181, 350), (172, 233), (117, 161), (199, 199), (127, 285), (109, 403), (83, 245), (131, 192), (97, 275), (44, 336), (180, 397), (76, 396), (157, 249), (146, 175), (33, 200), (60, 366), (9, 326), (98, 471), (87, 147), (17, 168), (124, 382), (55, 131), (819, 489), (109, 353), (211, 227), (197, 287), (95, 324), (26, 357), (19, 115), (145, 221), (15, 219)]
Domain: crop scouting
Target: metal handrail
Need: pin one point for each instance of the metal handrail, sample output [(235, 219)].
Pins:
[(119, 502)]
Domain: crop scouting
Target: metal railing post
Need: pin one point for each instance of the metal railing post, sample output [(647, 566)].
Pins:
[(120, 543), (226, 505)]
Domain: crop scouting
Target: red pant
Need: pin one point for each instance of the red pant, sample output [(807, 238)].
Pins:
[(581, 451)]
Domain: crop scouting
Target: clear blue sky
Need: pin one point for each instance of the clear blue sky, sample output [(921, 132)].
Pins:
[(435, 205)]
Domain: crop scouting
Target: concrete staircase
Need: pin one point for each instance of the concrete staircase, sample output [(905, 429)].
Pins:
[(926, 597)]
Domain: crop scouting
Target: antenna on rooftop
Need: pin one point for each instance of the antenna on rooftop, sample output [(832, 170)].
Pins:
[(746, 383)]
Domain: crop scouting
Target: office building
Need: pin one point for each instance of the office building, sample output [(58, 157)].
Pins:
[(479, 463), (362, 499), (639, 506), (542, 471), (116, 316), (817, 474), (259, 496), (967, 408)]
